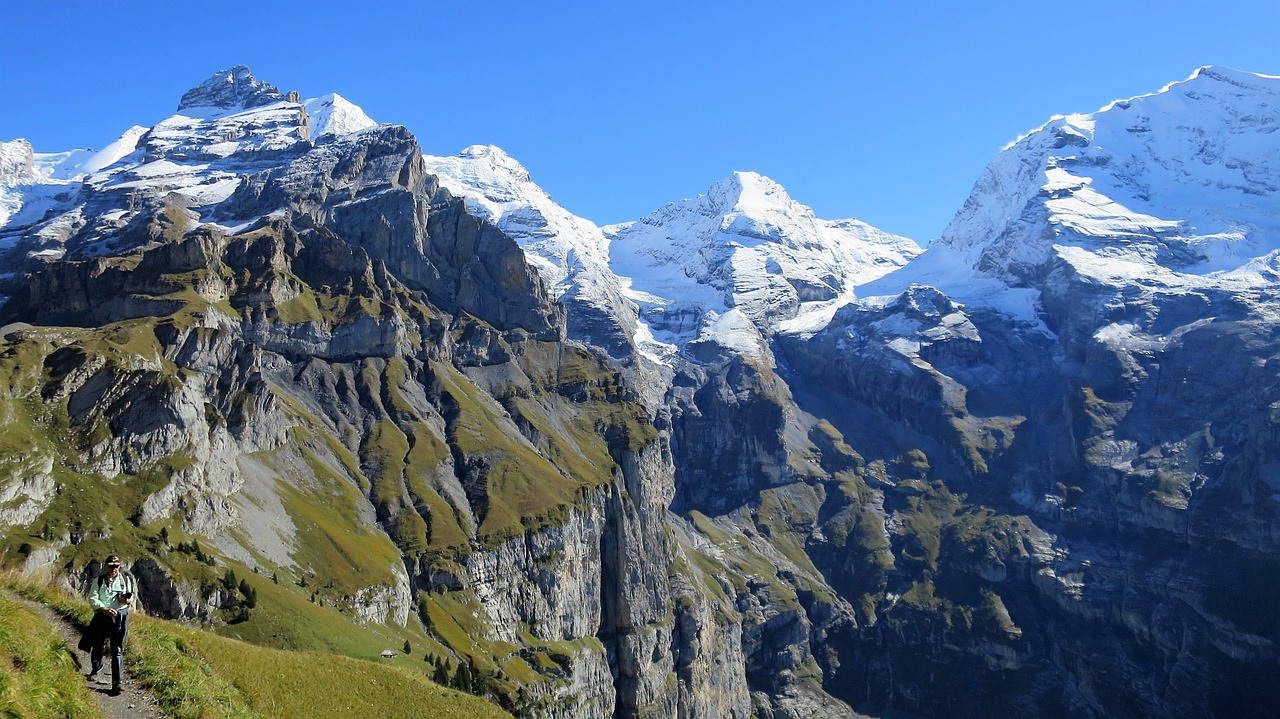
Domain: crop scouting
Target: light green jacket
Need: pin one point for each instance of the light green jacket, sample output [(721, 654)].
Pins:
[(104, 590)]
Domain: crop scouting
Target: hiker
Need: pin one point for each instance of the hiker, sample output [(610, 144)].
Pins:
[(112, 596)]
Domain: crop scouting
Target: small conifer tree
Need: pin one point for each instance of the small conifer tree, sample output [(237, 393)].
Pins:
[(462, 678), (250, 594)]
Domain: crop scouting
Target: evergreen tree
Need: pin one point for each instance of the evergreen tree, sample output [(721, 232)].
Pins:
[(250, 594), (462, 678)]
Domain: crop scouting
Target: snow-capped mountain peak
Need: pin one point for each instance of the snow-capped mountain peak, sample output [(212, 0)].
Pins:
[(335, 115), (490, 179), (1173, 190), (499, 188), (1176, 187), (743, 190), (497, 160), (228, 126), (754, 206), (746, 247)]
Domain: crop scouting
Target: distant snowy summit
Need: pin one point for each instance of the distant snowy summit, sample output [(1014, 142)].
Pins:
[(1172, 190), (728, 268), (332, 115), (745, 254)]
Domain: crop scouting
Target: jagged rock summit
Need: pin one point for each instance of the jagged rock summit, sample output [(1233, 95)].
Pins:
[(225, 128), (231, 89)]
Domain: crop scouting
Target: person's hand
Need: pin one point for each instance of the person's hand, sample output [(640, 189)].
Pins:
[(111, 612)]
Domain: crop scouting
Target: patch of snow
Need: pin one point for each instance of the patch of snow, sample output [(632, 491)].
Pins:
[(212, 193), (233, 229), (333, 114), (75, 164), (905, 346), (735, 331)]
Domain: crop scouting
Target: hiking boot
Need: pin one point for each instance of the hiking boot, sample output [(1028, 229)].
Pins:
[(115, 692)]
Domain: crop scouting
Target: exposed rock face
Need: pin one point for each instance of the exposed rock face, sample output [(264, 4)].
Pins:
[(227, 89), (569, 252)]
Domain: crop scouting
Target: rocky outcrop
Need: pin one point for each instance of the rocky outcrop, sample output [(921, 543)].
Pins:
[(371, 190), (231, 89)]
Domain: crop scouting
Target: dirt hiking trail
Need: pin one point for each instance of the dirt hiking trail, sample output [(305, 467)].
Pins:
[(134, 702)]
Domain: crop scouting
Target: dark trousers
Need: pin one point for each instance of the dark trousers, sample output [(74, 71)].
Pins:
[(115, 634)]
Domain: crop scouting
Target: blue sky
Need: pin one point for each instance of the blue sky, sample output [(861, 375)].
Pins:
[(884, 111)]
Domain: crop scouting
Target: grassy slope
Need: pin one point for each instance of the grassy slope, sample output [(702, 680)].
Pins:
[(286, 618), (199, 675), (278, 683), (38, 677)]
